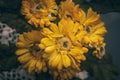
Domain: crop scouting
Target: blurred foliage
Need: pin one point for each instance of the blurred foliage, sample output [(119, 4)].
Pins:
[(15, 21), (100, 69), (101, 6), (8, 60), (103, 69), (10, 6)]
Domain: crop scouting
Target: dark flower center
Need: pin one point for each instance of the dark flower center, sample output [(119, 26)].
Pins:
[(38, 7), (65, 43), (34, 49)]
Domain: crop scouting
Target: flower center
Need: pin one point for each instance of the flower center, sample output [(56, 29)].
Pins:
[(35, 50), (102, 51), (35, 8), (65, 43), (38, 7), (88, 29)]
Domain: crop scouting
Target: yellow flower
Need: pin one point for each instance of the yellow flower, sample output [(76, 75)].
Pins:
[(91, 27), (95, 34), (30, 55), (39, 12), (95, 29), (61, 45), (68, 9)]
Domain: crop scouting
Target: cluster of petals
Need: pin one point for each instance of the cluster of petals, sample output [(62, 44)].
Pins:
[(66, 35)]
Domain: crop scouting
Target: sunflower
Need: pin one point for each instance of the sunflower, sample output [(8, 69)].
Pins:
[(30, 55), (39, 12), (61, 45), (68, 9)]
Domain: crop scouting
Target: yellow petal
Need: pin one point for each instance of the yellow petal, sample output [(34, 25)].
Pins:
[(60, 65), (38, 66), (25, 58), (54, 28), (75, 50), (60, 26), (22, 45), (21, 38), (54, 60), (80, 36), (80, 57), (86, 39), (47, 31), (41, 46), (72, 36), (66, 61), (76, 27), (99, 29), (84, 49), (47, 41), (57, 35), (26, 65), (50, 49), (74, 63), (82, 16), (32, 65), (44, 67), (21, 51), (92, 17)]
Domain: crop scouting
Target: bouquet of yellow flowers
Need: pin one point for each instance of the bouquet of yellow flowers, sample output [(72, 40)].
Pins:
[(64, 33)]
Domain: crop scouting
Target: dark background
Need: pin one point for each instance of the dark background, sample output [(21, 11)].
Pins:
[(112, 21)]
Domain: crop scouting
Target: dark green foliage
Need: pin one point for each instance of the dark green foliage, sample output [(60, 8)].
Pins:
[(10, 6), (101, 6), (44, 76), (15, 21), (100, 69), (8, 60)]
